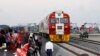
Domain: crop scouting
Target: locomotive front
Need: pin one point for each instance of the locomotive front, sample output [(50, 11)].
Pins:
[(59, 26)]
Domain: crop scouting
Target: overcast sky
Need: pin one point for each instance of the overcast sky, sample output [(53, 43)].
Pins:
[(13, 12)]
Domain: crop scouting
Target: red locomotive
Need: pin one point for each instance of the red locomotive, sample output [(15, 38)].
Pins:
[(56, 26)]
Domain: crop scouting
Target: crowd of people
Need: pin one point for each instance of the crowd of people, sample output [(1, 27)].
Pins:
[(7, 39), (14, 39)]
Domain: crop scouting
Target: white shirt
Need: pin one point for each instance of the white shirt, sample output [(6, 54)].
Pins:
[(49, 45), (31, 34), (36, 37), (15, 35)]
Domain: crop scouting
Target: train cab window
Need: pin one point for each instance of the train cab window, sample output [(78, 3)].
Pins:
[(53, 20), (57, 20), (62, 20)]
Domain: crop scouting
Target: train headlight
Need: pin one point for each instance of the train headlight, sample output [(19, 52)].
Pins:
[(66, 26), (53, 26)]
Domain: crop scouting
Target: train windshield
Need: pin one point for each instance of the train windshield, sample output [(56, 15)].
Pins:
[(54, 20), (59, 20), (63, 20)]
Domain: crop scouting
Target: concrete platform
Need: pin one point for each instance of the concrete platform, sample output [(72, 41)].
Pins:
[(58, 51), (77, 50), (7, 53), (95, 37)]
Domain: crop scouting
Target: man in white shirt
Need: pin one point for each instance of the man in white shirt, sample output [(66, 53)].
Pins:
[(49, 48)]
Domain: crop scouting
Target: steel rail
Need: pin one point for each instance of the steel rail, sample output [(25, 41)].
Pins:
[(98, 54), (75, 53), (85, 40)]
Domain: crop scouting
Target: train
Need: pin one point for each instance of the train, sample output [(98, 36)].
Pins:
[(56, 26), (33, 27)]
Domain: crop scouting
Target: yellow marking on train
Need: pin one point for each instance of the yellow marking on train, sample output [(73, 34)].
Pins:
[(62, 38)]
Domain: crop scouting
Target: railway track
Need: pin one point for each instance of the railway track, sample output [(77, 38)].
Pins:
[(76, 50), (75, 53), (88, 45), (85, 40), (98, 54)]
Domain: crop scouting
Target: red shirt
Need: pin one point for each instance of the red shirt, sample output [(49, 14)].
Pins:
[(19, 38)]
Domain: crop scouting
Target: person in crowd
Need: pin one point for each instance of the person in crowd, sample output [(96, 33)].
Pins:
[(36, 39), (26, 37), (83, 28), (39, 43), (8, 39), (12, 41), (49, 48), (19, 39), (2, 40), (15, 34), (83, 32), (32, 46)]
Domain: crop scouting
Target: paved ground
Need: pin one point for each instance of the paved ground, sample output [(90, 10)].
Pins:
[(58, 51), (77, 50), (87, 45), (8, 53), (95, 37)]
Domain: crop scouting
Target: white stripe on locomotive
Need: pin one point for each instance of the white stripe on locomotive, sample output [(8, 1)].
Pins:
[(59, 26)]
